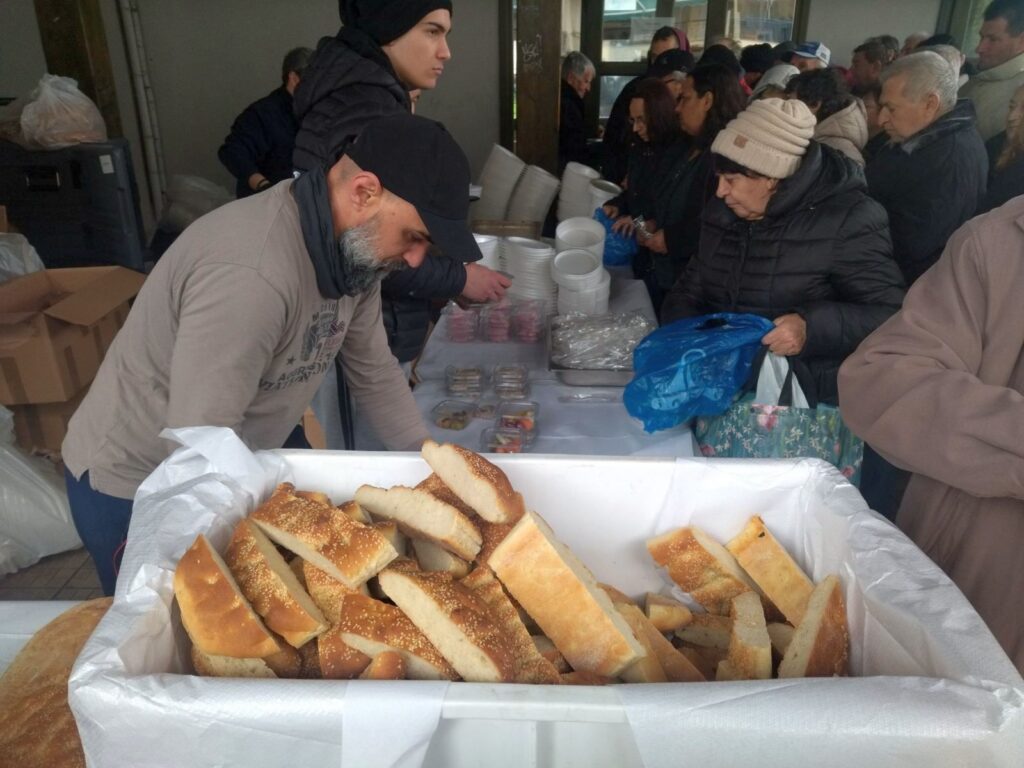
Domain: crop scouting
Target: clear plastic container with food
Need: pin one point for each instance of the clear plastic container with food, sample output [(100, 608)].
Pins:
[(511, 382), (464, 380), (453, 414), (520, 414), (528, 319), (502, 440), (462, 323), (486, 411), (496, 322)]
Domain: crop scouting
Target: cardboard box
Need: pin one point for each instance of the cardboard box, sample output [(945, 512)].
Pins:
[(55, 327), (43, 427), (948, 694)]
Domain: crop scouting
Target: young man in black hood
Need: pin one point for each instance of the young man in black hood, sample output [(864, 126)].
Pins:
[(384, 49)]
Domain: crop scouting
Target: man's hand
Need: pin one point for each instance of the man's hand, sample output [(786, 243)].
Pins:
[(789, 336), (258, 181), (656, 242), (624, 226), (611, 211), (483, 284)]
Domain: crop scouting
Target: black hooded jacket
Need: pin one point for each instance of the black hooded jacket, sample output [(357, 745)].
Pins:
[(822, 251), (342, 90), (930, 184)]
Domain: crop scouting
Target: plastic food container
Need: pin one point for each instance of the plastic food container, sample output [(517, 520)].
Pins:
[(511, 382), (462, 323), (486, 411), (502, 440), (521, 414), (453, 414), (496, 323), (528, 320), (464, 381)]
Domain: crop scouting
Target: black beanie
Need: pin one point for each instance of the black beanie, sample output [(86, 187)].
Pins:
[(387, 20)]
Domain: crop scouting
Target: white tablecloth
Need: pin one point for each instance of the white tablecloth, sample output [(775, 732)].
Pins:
[(19, 620), (597, 425)]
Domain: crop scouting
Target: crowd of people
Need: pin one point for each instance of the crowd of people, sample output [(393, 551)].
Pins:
[(874, 214), (870, 212)]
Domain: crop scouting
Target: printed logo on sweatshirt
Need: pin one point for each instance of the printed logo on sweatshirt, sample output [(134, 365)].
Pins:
[(320, 343)]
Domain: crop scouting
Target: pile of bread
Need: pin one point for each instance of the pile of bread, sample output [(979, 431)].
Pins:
[(456, 580)]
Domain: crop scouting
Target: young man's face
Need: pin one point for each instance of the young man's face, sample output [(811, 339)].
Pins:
[(419, 55), (997, 45)]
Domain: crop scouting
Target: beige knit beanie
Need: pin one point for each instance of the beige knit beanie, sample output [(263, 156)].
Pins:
[(769, 137)]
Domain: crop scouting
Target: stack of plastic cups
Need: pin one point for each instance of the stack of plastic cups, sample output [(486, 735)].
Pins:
[(489, 247), (601, 191), (497, 180), (533, 195), (529, 263), (574, 198), (583, 284)]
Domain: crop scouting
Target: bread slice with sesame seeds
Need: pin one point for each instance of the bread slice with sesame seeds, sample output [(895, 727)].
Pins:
[(371, 626), (475, 480), (422, 515), (324, 536), (455, 621), (215, 613), (271, 587)]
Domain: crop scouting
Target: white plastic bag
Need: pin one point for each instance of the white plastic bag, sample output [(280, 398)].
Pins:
[(772, 378), (35, 520), (60, 115), (17, 256), (188, 198)]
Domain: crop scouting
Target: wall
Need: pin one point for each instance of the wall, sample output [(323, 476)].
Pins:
[(22, 62), (843, 24)]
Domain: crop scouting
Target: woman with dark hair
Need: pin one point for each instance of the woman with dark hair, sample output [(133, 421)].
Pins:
[(842, 119), (618, 137), (709, 98), (659, 149), (791, 236)]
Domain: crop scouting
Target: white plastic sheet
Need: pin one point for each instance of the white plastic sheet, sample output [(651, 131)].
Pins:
[(932, 687), (35, 520), (17, 256)]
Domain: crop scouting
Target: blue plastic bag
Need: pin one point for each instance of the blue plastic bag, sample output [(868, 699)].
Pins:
[(618, 249), (693, 367)]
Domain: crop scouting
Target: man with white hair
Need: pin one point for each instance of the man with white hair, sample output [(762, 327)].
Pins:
[(577, 76), (930, 179), (912, 41)]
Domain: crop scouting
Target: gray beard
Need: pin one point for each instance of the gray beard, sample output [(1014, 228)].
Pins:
[(364, 264)]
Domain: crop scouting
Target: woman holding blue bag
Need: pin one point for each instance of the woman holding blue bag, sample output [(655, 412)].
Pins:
[(793, 237)]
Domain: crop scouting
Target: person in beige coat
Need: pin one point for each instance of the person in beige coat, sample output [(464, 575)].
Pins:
[(939, 390), (1001, 63)]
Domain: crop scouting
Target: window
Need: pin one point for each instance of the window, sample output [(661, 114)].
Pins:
[(760, 21)]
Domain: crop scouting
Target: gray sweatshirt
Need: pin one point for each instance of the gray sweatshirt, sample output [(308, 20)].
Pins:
[(230, 330)]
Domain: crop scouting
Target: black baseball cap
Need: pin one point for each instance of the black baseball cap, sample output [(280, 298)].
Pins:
[(672, 60), (418, 160)]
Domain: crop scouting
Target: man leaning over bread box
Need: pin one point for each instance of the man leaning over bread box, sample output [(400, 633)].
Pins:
[(241, 318)]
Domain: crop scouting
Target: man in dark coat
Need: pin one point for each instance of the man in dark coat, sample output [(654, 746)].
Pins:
[(577, 77), (932, 175), (258, 151), (384, 49), (813, 255)]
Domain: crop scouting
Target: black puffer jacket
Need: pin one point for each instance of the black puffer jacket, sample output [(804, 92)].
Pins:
[(930, 184), (821, 251), (342, 90)]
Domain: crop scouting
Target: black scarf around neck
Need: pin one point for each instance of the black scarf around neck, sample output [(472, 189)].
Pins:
[(314, 204)]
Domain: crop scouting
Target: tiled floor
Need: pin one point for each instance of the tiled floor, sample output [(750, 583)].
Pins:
[(65, 576)]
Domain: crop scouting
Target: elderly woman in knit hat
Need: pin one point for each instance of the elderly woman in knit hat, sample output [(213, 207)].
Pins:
[(792, 236)]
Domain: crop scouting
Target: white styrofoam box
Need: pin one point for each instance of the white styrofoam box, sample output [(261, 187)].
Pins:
[(932, 687)]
